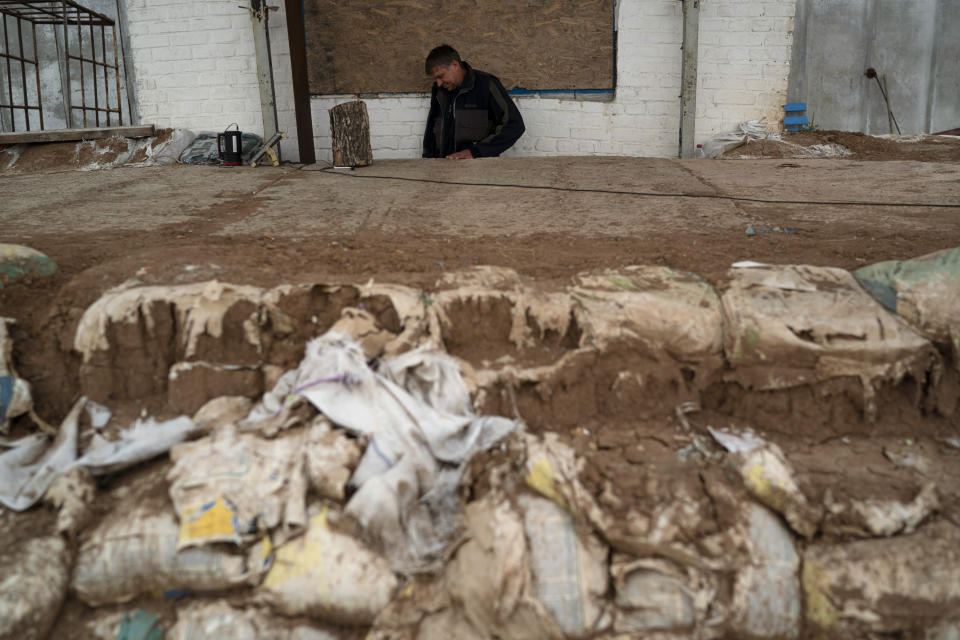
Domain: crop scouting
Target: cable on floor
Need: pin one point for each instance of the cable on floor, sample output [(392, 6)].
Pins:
[(649, 194)]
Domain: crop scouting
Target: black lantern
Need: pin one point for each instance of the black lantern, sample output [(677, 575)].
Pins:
[(230, 147)]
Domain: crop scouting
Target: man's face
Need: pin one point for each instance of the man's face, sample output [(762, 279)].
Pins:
[(448, 77)]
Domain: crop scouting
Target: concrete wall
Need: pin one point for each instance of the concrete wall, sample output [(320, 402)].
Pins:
[(944, 103), (915, 44), (195, 68)]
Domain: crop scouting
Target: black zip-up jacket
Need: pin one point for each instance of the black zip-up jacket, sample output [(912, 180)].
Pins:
[(485, 120)]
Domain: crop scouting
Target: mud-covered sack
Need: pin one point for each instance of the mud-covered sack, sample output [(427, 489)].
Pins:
[(148, 621), (329, 575), (651, 594), (766, 595), (406, 482), (768, 475), (218, 619), (18, 262), (879, 517), (672, 311), (894, 587), (489, 577), (569, 568), (117, 335), (32, 463), (33, 584), (508, 324), (133, 552), (793, 325), (331, 456), (15, 398), (525, 570), (924, 291), (421, 610), (231, 487), (164, 148)]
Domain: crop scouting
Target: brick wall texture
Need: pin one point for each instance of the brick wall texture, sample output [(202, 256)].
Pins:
[(195, 68)]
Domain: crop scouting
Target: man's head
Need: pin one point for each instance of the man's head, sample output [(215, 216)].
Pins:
[(444, 64)]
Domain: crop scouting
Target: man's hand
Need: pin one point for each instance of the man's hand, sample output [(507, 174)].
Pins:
[(460, 155)]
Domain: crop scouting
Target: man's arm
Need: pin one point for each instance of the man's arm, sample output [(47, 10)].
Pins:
[(509, 123), (429, 138)]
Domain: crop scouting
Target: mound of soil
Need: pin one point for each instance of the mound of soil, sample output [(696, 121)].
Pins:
[(862, 146)]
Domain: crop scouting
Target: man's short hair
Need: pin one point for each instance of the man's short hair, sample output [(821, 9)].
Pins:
[(441, 56)]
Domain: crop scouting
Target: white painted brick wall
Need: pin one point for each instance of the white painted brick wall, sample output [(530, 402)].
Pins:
[(195, 64), (196, 68), (744, 62)]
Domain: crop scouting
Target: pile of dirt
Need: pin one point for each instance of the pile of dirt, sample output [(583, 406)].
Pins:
[(85, 155), (804, 144), (58, 156)]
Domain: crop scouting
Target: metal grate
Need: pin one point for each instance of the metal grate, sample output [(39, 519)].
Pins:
[(53, 12), (83, 66)]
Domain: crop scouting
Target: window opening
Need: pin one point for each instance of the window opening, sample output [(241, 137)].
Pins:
[(90, 81)]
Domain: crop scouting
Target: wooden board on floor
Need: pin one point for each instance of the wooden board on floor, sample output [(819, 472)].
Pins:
[(371, 46), (65, 135)]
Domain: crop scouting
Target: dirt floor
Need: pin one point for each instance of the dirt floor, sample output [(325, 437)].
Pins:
[(411, 222)]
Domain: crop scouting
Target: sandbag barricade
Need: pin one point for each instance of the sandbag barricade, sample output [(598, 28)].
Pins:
[(335, 494)]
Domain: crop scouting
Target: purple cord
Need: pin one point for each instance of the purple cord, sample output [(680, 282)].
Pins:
[(345, 378)]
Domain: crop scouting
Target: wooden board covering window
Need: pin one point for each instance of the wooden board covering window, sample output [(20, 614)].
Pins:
[(370, 46)]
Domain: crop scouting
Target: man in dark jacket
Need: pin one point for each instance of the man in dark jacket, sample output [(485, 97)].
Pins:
[(471, 115)]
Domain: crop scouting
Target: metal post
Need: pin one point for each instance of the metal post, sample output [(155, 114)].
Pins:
[(116, 76), (886, 99), (23, 75), (688, 89), (301, 90), (93, 68), (36, 69), (65, 76), (83, 81), (106, 74), (64, 60), (259, 13), (6, 47)]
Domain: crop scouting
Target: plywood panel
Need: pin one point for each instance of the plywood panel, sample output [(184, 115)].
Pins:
[(368, 46)]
